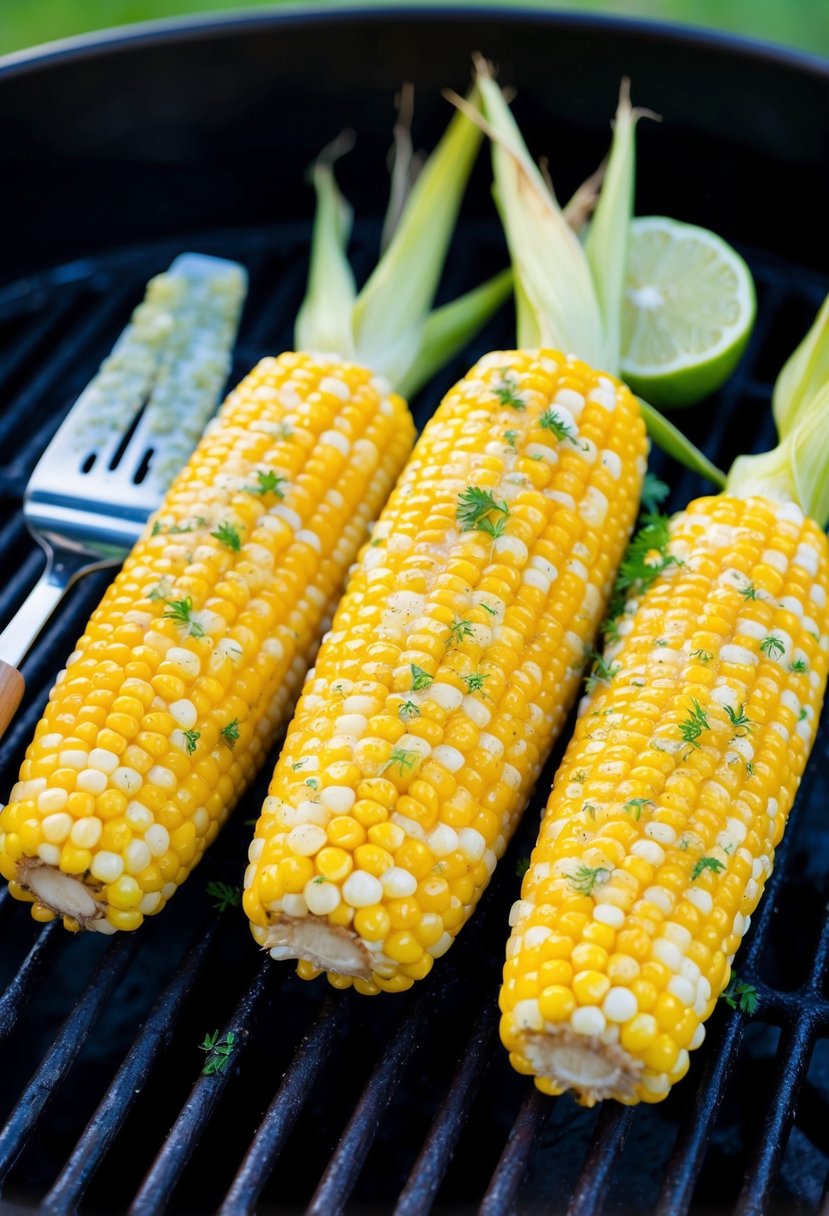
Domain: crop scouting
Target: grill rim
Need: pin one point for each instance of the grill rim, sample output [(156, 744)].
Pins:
[(170, 30)]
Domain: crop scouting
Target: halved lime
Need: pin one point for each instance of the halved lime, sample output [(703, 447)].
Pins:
[(688, 311)]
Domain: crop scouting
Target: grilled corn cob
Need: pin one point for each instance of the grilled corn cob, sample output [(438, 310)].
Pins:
[(660, 831), (189, 666), (453, 657), (454, 654)]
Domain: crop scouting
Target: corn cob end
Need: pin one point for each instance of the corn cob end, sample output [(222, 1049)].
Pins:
[(313, 939), (595, 1070), (58, 894)]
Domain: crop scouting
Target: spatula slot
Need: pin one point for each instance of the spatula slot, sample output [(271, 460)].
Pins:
[(118, 454), (144, 467)]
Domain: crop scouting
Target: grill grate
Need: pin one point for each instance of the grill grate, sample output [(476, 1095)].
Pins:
[(334, 1101)]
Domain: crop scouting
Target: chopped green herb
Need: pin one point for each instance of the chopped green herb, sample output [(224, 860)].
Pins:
[(661, 642), (521, 866), (636, 804), (654, 492), (486, 608), (741, 723), (740, 995), (475, 510), (550, 420), (156, 528), (403, 759), (589, 809), (181, 611), (191, 738), (407, 711), (799, 666), (225, 895), (475, 682), (420, 678), (772, 647), (601, 672), (267, 483), (511, 437), (312, 783), (749, 768), (646, 558), (506, 393), (319, 880), (749, 592), (580, 777), (704, 656), (459, 630), (706, 863), (299, 763), (230, 733), (804, 713), (684, 842), (585, 879), (694, 724), (728, 849), (226, 534), (219, 1051)]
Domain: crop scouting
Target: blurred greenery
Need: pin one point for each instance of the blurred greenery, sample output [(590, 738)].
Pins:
[(796, 23)]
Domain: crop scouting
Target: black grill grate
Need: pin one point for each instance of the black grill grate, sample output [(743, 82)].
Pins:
[(335, 1101)]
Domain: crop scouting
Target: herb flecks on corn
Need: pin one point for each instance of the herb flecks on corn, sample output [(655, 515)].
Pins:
[(707, 733), (190, 664), (423, 736)]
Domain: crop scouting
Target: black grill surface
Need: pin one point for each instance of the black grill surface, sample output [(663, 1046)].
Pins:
[(332, 1101)]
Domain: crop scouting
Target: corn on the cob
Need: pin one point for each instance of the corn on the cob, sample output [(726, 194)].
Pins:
[(661, 827), (454, 654), (189, 666), (452, 660)]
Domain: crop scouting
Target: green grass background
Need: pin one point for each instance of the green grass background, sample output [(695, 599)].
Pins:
[(795, 23)]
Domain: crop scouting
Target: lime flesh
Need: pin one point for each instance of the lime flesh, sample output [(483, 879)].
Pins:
[(688, 312)]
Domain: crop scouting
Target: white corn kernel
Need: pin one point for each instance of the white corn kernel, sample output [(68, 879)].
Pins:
[(620, 1005), (321, 896), (398, 883), (91, 781), (588, 1020), (362, 889), (137, 856), (106, 866), (102, 758), (306, 839), (158, 838), (184, 713), (86, 833), (56, 827)]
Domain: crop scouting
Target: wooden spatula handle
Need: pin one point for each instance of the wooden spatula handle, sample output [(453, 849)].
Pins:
[(11, 691)]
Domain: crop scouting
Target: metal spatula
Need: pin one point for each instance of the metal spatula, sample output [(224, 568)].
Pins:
[(109, 464)]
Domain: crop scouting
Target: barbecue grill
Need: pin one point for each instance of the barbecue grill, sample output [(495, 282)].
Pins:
[(120, 152)]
